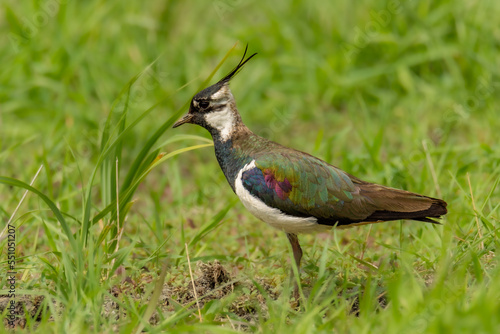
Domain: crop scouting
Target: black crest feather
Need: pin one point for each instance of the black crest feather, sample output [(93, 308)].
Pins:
[(238, 67)]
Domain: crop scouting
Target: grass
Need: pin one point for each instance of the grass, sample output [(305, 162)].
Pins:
[(403, 94)]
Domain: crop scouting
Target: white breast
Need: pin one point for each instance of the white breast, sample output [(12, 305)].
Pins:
[(274, 217)]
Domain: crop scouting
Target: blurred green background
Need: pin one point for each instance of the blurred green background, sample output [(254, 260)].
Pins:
[(403, 93)]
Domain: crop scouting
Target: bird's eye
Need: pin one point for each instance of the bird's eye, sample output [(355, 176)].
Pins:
[(204, 104)]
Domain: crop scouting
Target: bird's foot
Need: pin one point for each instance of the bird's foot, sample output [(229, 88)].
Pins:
[(295, 297)]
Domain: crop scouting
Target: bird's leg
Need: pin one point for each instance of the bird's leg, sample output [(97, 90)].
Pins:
[(297, 254)]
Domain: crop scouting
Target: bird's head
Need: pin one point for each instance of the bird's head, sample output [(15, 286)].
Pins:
[(214, 107)]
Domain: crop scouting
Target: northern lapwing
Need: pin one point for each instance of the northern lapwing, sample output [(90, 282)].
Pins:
[(291, 190)]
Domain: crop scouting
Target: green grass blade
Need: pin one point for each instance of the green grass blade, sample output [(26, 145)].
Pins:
[(59, 216)]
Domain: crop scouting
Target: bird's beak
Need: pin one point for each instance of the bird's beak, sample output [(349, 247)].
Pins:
[(186, 119)]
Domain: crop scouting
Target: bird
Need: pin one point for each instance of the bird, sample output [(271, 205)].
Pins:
[(291, 190)]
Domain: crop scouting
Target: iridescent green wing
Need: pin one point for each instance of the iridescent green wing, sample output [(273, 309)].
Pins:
[(302, 185)]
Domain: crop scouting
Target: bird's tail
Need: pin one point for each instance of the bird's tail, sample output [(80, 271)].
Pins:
[(395, 204)]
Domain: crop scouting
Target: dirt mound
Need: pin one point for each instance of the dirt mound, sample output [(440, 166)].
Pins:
[(212, 282)]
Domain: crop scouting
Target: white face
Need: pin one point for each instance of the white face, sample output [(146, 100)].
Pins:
[(221, 118)]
